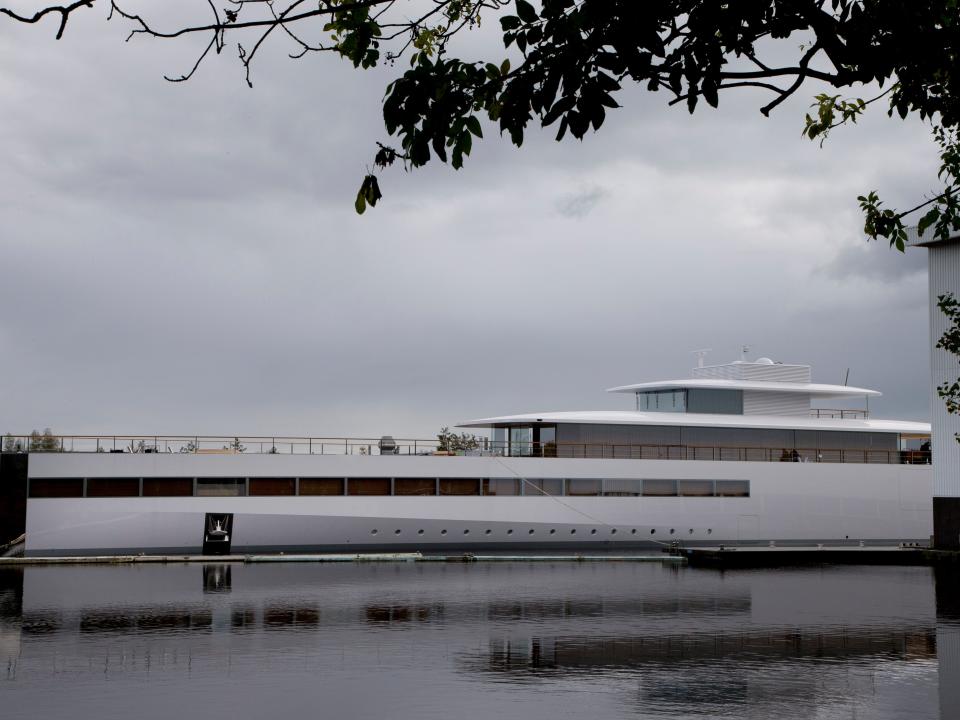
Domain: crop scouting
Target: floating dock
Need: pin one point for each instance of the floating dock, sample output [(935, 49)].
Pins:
[(768, 557), (329, 558)]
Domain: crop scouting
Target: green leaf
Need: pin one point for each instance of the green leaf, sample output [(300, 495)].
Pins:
[(526, 12), (473, 125)]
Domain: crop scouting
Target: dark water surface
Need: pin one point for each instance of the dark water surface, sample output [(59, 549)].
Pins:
[(501, 640)]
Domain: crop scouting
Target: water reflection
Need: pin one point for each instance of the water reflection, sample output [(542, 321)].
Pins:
[(538, 640)]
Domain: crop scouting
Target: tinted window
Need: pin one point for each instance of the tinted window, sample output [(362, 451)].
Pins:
[(582, 486), (414, 486), (733, 488), (501, 486), (459, 486), (546, 486), (273, 486), (167, 487), (622, 487), (56, 487), (696, 488), (220, 487), (113, 487), (660, 488), (321, 486), (368, 486)]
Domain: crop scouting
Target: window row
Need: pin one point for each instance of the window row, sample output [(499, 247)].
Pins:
[(275, 486)]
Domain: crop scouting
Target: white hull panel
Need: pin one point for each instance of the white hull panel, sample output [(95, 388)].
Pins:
[(789, 502)]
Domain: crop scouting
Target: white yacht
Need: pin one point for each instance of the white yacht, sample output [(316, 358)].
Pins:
[(736, 454)]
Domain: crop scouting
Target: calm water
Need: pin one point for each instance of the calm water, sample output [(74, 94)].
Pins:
[(539, 640)]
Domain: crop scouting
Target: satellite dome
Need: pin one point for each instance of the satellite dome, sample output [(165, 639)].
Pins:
[(764, 361)]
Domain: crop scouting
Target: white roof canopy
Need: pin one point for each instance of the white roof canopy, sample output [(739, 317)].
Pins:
[(809, 389), (785, 422)]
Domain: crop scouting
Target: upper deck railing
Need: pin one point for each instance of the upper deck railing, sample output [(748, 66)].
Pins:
[(259, 445)]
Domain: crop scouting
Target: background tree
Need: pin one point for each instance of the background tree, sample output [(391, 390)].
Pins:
[(43, 442), (451, 442)]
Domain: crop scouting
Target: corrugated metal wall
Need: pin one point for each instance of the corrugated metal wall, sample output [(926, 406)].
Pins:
[(768, 403), (755, 371), (944, 367)]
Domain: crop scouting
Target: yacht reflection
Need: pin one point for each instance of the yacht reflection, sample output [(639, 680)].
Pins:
[(575, 654), (217, 578)]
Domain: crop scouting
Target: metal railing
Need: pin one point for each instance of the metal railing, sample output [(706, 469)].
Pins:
[(227, 445), (832, 414)]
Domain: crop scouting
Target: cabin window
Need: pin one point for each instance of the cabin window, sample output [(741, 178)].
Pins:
[(221, 487), (273, 486), (113, 487), (501, 486), (545, 486), (368, 486), (695, 488), (459, 486), (167, 487), (321, 486), (583, 486), (414, 486), (733, 488), (521, 441), (662, 401), (622, 487), (56, 487), (659, 488)]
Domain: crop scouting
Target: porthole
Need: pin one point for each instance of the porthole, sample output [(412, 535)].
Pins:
[(552, 531), (691, 531), (652, 531), (633, 532), (487, 531), (593, 531), (573, 531), (466, 532), (672, 531), (443, 532), (420, 531), (397, 531), (613, 531), (373, 532), (709, 531), (510, 531), (530, 531)]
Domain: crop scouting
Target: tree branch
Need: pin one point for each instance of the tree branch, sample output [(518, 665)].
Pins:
[(63, 10)]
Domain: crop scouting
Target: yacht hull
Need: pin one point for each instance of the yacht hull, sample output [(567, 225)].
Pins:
[(798, 503)]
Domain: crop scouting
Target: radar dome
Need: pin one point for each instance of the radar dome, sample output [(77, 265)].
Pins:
[(764, 361)]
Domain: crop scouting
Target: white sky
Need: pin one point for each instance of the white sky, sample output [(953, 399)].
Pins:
[(186, 258)]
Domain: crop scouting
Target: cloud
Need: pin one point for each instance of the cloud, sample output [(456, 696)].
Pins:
[(185, 258), (580, 203)]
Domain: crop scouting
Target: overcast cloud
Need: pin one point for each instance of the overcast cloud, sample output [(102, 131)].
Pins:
[(186, 259)]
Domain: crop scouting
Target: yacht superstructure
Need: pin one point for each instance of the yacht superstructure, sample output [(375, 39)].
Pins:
[(735, 454)]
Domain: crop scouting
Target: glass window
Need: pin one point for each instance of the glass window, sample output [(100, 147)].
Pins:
[(543, 486), (167, 487), (321, 486), (113, 487), (501, 486), (220, 487), (56, 487), (521, 441), (695, 488), (273, 486), (414, 486), (733, 488), (583, 486), (368, 486), (622, 487), (459, 486), (548, 440), (659, 488)]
